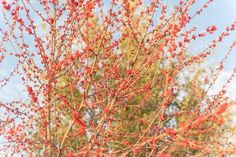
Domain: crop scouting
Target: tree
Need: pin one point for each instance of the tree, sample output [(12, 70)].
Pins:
[(109, 79)]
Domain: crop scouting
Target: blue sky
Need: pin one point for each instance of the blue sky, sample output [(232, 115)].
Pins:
[(220, 13)]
